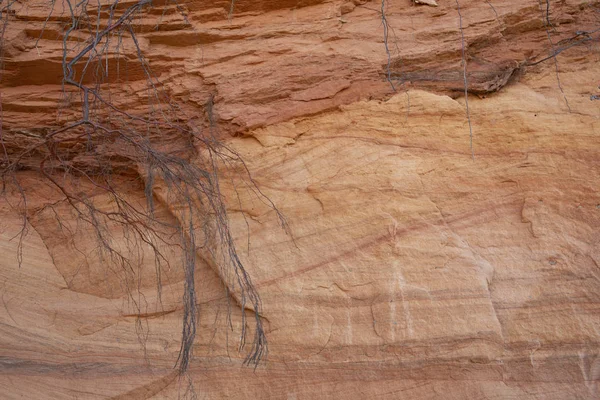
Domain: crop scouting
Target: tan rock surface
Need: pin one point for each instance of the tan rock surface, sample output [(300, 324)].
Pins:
[(412, 270)]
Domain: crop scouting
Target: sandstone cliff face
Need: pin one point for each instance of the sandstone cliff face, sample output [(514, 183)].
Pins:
[(411, 270)]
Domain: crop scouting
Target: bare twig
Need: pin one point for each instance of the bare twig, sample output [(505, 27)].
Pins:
[(117, 139), (585, 37), (488, 2), (548, 25), (466, 84), (231, 6), (384, 22)]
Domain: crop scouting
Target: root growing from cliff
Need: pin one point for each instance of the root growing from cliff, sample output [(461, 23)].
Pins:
[(466, 83), (384, 22), (5, 13), (548, 26), (387, 28), (85, 158)]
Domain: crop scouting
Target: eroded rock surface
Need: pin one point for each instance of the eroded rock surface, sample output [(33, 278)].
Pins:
[(412, 270)]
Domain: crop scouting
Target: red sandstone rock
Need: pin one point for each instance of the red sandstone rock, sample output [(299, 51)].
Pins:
[(414, 271)]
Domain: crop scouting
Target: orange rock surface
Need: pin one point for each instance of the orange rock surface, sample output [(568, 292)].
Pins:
[(411, 270)]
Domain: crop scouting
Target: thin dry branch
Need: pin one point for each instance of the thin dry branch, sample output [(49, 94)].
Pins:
[(466, 83), (118, 140), (579, 38), (384, 22), (548, 26)]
